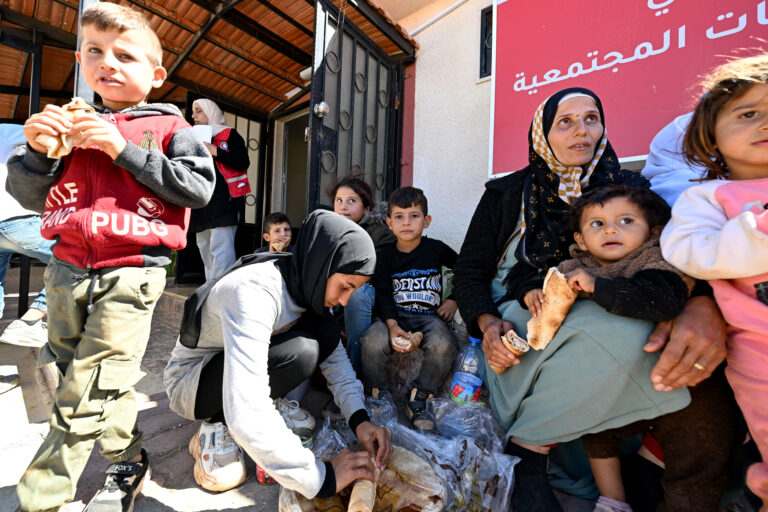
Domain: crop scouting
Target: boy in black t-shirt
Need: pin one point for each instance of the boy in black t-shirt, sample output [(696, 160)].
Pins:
[(408, 282)]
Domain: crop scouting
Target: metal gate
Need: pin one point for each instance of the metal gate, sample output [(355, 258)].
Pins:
[(353, 108)]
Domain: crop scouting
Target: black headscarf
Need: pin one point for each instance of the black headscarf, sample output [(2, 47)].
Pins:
[(327, 243)]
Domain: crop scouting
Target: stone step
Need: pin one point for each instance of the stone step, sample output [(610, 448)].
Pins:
[(172, 300)]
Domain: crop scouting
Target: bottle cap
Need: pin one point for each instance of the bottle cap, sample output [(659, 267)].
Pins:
[(475, 340)]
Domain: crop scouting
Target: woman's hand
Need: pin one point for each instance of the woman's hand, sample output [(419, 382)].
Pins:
[(533, 301), (348, 466), (496, 354), (377, 441), (580, 279), (447, 309), (396, 331), (213, 150), (693, 345)]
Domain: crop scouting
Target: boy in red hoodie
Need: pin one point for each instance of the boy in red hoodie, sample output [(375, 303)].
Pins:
[(118, 205)]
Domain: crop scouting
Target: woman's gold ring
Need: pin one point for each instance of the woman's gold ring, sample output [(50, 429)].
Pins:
[(699, 367)]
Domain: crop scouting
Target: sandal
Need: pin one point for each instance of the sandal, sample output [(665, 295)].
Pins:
[(417, 413)]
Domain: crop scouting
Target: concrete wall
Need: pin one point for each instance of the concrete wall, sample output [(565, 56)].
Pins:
[(452, 116)]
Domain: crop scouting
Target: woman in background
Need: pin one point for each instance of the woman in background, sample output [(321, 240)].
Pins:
[(215, 225)]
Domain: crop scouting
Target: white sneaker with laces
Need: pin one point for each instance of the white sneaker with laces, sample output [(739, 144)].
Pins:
[(219, 462), (25, 334), (294, 416)]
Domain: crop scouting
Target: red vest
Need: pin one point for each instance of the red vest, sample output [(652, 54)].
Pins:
[(101, 214), (237, 181)]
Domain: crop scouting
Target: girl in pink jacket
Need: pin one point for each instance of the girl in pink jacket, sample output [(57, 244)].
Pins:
[(719, 231)]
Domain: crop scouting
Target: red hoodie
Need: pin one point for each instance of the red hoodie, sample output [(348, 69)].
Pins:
[(101, 214)]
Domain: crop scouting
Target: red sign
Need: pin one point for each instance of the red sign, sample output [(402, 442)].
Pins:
[(643, 58)]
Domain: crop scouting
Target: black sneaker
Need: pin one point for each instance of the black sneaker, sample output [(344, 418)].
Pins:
[(124, 482)]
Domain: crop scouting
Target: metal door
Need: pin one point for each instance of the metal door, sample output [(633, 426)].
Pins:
[(353, 108)]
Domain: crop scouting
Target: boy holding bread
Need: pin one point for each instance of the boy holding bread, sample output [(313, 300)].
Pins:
[(408, 283), (617, 263), (115, 184)]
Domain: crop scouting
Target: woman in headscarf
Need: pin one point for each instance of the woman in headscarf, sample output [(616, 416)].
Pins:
[(263, 329), (215, 225), (594, 375)]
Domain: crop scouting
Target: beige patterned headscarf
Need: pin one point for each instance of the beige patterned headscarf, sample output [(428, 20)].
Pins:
[(571, 179)]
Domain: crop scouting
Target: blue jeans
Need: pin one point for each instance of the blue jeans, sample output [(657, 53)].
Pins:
[(357, 320), (22, 236)]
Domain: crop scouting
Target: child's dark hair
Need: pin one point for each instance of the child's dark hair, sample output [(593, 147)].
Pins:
[(274, 218), (108, 16), (360, 187), (727, 82), (656, 210), (405, 197)]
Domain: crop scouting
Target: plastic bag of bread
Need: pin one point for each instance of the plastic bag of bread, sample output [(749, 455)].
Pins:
[(407, 481), (558, 299), (61, 145)]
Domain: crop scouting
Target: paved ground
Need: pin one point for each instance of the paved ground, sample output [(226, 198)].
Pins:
[(172, 487)]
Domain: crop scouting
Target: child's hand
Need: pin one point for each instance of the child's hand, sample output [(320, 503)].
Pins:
[(51, 121), (533, 300), (582, 280), (447, 309), (89, 131), (396, 331)]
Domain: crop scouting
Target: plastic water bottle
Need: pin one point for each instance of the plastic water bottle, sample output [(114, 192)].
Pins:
[(465, 388)]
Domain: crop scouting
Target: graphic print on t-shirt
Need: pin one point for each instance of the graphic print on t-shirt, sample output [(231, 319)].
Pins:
[(418, 291)]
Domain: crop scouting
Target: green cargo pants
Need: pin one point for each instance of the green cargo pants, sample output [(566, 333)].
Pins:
[(99, 355)]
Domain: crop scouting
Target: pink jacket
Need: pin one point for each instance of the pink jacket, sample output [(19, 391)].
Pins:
[(719, 232)]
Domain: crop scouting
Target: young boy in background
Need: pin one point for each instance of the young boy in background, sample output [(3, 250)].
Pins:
[(408, 282), (118, 205), (277, 233)]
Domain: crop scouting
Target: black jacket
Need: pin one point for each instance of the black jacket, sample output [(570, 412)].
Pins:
[(494, 220)]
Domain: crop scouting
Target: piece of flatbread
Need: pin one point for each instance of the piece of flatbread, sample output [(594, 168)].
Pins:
[(407, 344), (514, 344), (61, 145), (558, 299)]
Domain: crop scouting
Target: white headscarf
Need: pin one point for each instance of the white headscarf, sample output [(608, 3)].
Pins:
[(214, 114)]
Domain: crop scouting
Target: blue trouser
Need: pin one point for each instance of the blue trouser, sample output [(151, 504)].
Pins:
[(357, 320), (22, 235)]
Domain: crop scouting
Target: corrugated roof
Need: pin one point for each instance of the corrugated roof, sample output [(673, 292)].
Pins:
[(244, 53)]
